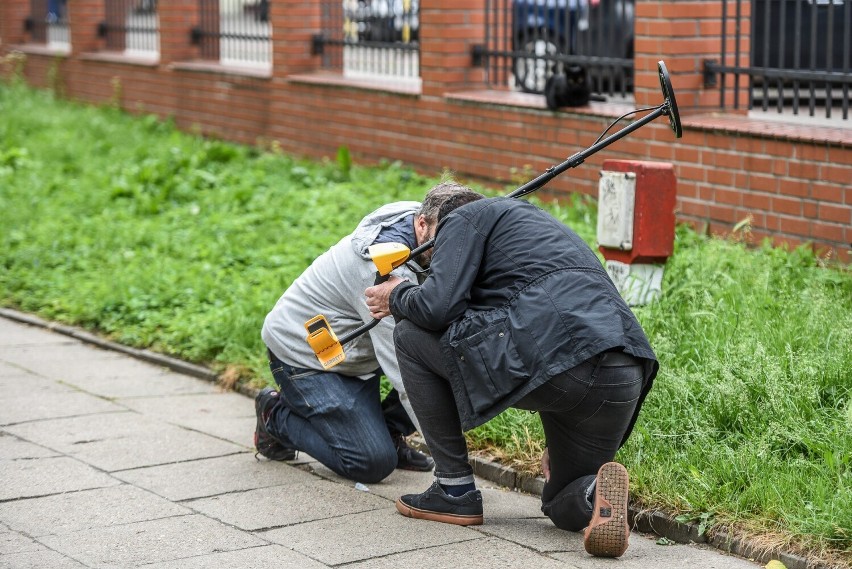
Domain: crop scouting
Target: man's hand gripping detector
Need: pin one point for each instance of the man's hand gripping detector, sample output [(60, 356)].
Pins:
[(322, 339)]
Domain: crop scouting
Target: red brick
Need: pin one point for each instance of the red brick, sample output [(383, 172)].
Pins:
[(763, 183), (794, 226), (786, 205), (835, 213), (723, 213), (756, 200), (828, 232), (826, 192), (838, 174)]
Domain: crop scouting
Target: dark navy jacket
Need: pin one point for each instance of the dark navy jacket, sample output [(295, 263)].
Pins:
[(522, 298)]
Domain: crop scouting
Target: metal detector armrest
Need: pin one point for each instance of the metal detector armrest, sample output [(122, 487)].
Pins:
[(324, 342)]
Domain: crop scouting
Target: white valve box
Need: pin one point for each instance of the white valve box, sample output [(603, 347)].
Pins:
[(616, 204)]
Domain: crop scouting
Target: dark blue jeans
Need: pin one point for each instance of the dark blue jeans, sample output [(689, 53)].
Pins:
[(584, 412), (338, 420)]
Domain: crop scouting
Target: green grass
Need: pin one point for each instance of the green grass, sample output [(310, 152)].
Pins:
[(159, 239)]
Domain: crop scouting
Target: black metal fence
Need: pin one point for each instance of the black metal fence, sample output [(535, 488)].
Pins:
[(48, 22), (131, 26), (370, 38), (234, 31), (799, 57), (527, 41)]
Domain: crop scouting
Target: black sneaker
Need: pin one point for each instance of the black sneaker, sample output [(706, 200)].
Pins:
[(410, 459), (436, 505), (265, 443)]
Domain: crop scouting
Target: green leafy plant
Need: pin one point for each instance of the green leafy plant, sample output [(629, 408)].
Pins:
[(703, 520)]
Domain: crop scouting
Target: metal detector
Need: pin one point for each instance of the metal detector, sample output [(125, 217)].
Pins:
[(388, 256)]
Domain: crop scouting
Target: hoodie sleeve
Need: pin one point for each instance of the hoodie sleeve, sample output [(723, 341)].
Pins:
[(444, 295)]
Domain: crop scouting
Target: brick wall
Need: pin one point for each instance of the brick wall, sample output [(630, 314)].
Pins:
[(792, 181)]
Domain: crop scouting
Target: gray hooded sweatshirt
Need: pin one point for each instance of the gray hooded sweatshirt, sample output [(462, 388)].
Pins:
[(334, 286)]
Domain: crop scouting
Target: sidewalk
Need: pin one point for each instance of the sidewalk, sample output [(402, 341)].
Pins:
[(107, 461)]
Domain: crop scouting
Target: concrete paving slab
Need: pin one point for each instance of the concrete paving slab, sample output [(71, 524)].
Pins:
[(52, 360), (12, 542), (18, 382), (131, 545), (87, 509), (501, 503), (13, 448), (276, 506), (17, 334), (265, 557), (119, 441), (102, 372), (367, 535), (538, 534), (398, 483), (223, 414), (488, 553), (45, 476), (51, 404), (141, 383), (42, 558), (210, 477)]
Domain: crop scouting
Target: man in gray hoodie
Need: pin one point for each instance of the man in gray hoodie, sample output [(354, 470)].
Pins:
[(337, 416)]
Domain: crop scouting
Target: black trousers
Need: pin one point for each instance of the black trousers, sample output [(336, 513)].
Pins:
[(584, 411)]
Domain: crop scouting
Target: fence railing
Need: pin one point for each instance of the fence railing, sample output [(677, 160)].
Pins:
[(798, 62), (48, 23), (131, 26), (234, 32), (527, 41), (370, 38)]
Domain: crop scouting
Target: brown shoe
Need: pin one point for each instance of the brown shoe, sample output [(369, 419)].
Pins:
[(609, 531)]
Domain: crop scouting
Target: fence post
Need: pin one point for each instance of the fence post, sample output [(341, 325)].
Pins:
[(84, 17), (177, 18), (294, 24), (685, 33), (13, 14), (449, 30)]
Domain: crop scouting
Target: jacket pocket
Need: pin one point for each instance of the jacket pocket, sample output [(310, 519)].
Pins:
[(490, 365)]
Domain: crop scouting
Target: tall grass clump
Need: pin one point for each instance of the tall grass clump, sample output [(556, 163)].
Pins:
[(180, 244)]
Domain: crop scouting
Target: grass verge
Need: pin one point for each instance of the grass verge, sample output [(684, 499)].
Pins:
[(163, 240)]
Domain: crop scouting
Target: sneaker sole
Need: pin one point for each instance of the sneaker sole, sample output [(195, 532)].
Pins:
[(607, 535), (457, 519)]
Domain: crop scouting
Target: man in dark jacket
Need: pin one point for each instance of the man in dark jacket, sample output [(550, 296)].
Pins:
[(519, 312)]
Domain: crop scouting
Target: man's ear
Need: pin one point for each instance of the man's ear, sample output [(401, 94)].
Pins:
[(421, 227)]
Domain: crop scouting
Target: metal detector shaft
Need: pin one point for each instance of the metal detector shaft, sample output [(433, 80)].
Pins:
[(540, 181), (358, 331), (668, 107), (581, 156)]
